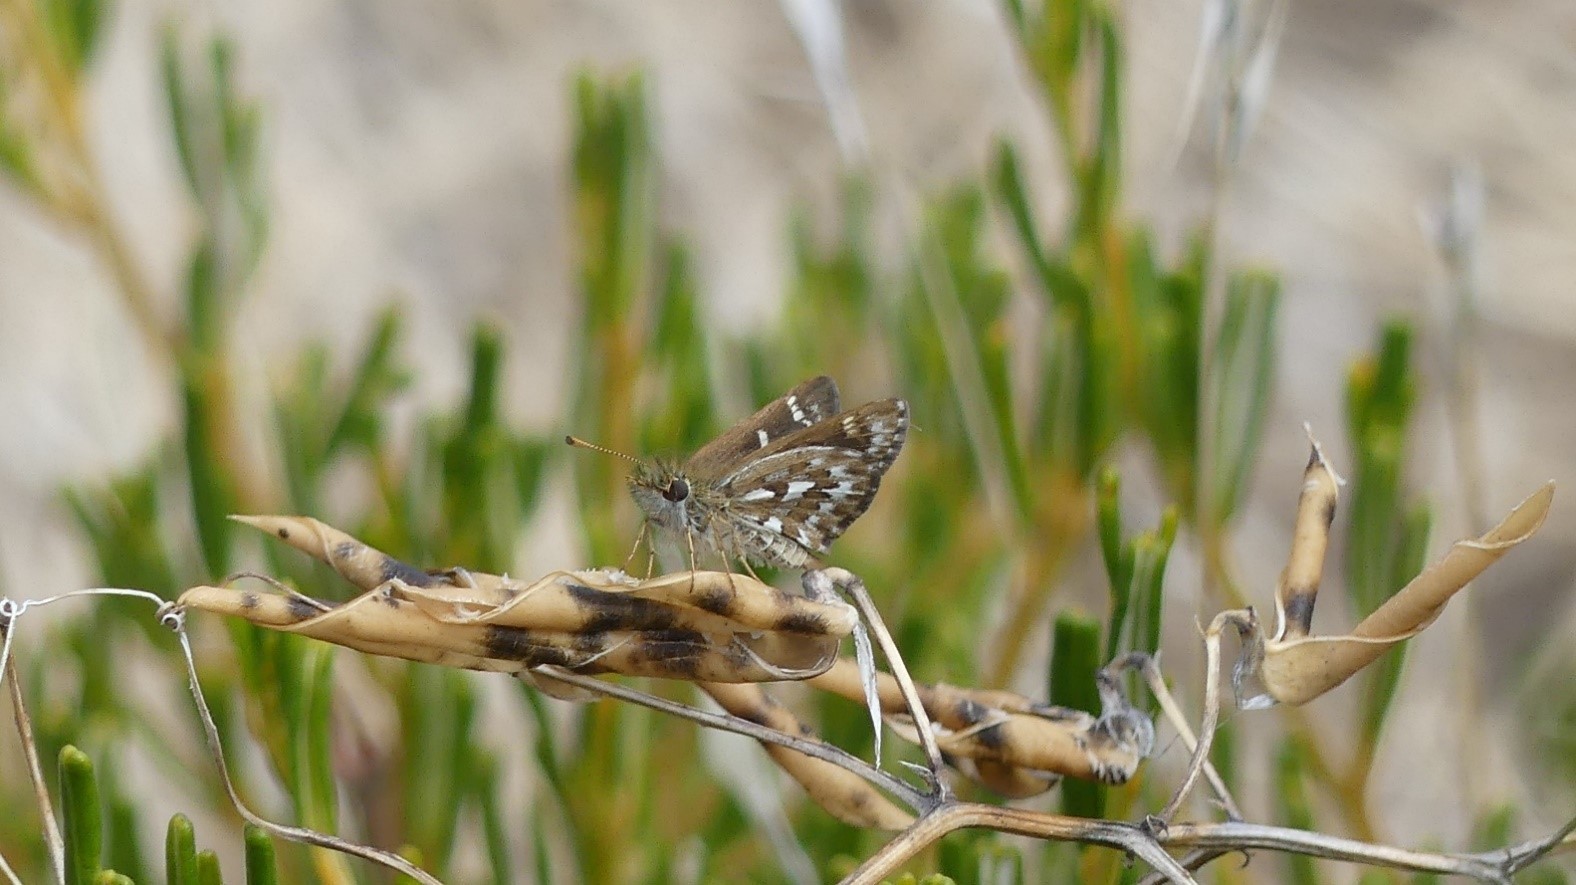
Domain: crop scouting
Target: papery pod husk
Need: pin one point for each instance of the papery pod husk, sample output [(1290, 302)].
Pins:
[(1299, 669), (1001, 730), (710, 626), (596, 600)]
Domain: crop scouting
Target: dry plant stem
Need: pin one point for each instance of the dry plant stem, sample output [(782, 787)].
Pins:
[(1489, 866), (172, 618), (1149, 668), (1193, 861), (963, 815), (1242, 620), (1210, 312), (913, 798), (35, 773), (1527, 853), (855, 588), (1227, 838)]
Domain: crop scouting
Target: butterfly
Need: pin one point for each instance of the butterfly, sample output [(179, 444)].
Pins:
[(778, 487)]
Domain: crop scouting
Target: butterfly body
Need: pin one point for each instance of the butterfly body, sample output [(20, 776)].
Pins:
[(781, 485)]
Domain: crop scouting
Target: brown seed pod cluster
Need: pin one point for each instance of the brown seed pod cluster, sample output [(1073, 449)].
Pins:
[(709, 626), (1014, 745)]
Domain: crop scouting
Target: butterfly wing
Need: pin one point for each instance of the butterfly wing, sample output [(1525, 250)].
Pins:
[(811, 485), (804, 406)]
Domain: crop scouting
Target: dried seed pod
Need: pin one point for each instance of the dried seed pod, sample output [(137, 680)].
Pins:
[(1018, 746), (1295, 668)]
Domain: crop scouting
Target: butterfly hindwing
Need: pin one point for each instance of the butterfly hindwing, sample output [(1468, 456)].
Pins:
[(811, 485)]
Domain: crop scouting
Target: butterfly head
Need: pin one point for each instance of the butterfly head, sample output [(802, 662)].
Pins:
[(659, 486), (664, 493)]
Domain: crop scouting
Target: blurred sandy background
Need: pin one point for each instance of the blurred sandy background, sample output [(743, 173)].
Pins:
[(419, 151)]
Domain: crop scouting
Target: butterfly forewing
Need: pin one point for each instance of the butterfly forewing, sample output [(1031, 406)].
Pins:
[(810, 485), (803, 407)]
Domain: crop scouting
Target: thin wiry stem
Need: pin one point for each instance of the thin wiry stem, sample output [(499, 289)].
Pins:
[(1149, 668), (35, 771), (1527, 853), (174, 620), (1239, 836), (1213, 840), (1242, 620), (962, 815)]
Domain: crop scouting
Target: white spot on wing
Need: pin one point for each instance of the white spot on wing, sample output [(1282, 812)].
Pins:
[(773, 524), (758, 495), (797, 488), (761, 435), (792, 402)]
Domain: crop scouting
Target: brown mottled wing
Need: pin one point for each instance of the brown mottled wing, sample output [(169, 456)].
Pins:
[(811, 485), (804, 406)]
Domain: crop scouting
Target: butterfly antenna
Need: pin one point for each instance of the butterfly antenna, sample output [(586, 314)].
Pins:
[(582, 444)]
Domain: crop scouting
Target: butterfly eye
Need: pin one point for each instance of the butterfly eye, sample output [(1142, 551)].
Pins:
[(677, 490)]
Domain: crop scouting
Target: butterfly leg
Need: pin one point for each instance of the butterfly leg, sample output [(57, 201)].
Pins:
[(642, 535), (730, 554), (689, 538), (745, 561)]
